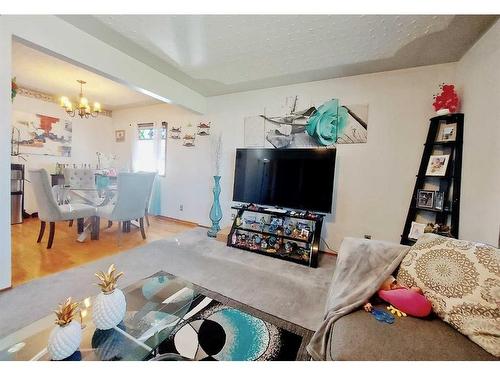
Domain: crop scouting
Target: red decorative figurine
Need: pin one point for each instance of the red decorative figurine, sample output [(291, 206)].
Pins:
[(447, 101)]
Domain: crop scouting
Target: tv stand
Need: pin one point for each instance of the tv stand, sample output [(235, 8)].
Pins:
[(284, 234)]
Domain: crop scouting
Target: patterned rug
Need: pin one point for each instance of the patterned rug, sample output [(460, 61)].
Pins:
[(227, 330)]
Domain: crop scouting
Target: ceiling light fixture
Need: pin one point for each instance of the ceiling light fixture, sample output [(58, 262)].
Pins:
[(82, 108)]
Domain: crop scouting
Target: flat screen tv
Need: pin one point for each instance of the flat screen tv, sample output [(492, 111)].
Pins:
[(290, 178)]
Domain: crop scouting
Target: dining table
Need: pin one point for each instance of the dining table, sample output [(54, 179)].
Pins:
[(93, 196)]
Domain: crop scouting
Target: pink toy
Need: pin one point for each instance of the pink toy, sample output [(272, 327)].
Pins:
[(408, 301)]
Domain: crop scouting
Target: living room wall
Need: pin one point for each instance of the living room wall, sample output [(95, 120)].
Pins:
[(374, 181), (479, 81), (186, 175)]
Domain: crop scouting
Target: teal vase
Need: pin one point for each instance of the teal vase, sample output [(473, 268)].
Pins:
[(215, 211)]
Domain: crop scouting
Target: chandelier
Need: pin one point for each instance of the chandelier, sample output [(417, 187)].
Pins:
[(82, 108)]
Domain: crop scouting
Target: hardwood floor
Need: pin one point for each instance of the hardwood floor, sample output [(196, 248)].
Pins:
[(31, 260)]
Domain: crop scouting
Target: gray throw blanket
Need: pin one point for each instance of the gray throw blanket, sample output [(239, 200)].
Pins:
[(362, 266)]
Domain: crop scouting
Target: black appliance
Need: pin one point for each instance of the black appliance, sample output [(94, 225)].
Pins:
[(291, 178)]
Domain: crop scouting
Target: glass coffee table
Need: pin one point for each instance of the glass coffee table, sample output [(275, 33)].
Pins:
[(155, 307)]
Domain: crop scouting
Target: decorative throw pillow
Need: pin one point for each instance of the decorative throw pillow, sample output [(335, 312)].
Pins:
[(462, 281)]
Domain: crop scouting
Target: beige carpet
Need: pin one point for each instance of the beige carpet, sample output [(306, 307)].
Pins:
[(289, 291)]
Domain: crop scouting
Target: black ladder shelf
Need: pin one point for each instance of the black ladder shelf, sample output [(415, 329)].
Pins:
[(449, 184)]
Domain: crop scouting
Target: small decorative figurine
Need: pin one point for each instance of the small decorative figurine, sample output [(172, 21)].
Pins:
[(238, 221), (110, 305), (262, 223), (272, 241), (65, 338), (257, 239), (429, 228), (250, 219), (288, 247), (233, 238), (263, 244)]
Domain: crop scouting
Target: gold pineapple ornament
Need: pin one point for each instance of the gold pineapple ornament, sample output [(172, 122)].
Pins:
[(66, 312), (110, 305), (66, 336), (108, 279)]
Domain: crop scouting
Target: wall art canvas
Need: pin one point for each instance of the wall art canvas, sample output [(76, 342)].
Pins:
[(307, 126), (41, 134)]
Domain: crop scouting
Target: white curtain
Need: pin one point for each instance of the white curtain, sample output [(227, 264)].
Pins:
[(149, 147), (149, 155)]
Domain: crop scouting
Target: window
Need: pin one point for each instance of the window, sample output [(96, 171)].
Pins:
[(150, 147)]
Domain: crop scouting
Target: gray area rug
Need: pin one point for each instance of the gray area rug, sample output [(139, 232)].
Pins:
[(289, 291)]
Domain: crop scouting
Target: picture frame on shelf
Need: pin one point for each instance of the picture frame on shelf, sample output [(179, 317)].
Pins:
[(438, 165), (416, 230), (439, 200), (425, 198), (447, 132)]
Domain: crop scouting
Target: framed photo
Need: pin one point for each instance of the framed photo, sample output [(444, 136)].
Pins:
[(120, 135), (447, 132), (439, 200), (425, 199), (416, 230), (437, 165)]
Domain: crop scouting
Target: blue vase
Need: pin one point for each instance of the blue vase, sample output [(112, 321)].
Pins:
[(215, 211)]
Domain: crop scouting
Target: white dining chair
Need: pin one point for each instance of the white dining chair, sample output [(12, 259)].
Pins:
[(151, 181), (48, 209), (132, 196), (81, 185)]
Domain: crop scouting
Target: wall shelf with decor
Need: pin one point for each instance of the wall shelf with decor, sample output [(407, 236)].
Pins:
[(435, 202), (289, 235)]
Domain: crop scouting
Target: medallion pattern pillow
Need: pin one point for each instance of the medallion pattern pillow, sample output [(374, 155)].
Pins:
[(462, 281)]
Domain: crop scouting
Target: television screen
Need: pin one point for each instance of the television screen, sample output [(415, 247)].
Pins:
[(290, 178)]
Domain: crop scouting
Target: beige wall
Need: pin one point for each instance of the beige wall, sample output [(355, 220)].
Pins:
[(478, 77), (185, 173), (374, 181)]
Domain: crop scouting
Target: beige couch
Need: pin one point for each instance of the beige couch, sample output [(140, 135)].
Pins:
[(359, 337)]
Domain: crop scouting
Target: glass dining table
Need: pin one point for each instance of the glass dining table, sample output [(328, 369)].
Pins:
[(97, 196)]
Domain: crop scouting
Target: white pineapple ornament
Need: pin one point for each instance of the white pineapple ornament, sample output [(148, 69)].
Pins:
[(110, 305), (65, 338)]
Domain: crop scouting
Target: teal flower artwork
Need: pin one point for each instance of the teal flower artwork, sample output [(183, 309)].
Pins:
[(327, 123), (325, 126)]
